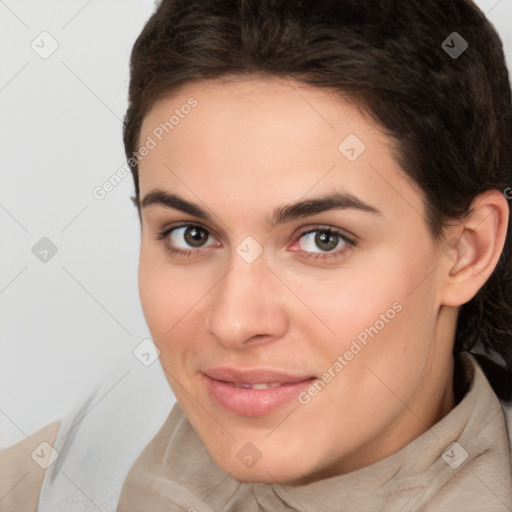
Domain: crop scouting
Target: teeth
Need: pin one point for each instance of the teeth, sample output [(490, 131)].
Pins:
[(260, 386), (263, 385)]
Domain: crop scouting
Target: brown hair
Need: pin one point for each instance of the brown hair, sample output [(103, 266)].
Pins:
[(450, 115)]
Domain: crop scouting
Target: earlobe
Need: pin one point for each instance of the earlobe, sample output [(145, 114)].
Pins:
[(474, 247)]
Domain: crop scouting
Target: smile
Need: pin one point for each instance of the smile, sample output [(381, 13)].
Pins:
[(252, 392)]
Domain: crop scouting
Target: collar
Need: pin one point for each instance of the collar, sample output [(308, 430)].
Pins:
[(464, 460)]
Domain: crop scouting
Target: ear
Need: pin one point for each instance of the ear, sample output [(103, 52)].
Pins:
[(472, 248)]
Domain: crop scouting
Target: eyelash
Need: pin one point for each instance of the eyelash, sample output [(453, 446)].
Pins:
[(348, 243)]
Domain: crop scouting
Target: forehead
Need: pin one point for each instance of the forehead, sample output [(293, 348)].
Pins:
[(269, 140), (251, 112)]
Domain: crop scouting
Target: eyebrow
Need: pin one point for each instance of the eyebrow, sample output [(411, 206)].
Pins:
[(281, 215)]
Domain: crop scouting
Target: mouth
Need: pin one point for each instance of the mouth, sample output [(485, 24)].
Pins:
[(253, 392), (261, 385)]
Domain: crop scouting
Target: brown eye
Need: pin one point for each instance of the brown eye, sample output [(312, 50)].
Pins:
[(187, 237), (195, 236), (326, 240), (323, 244), (322, 240)]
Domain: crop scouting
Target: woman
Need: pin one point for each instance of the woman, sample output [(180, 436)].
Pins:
[(325, 265)]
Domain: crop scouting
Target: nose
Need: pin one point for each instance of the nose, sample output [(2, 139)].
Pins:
[(246, 306)]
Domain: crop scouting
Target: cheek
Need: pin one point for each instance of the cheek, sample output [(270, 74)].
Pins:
[(352, 303), (390, 346), (377, 314), (163, 296), (163, 307), (170, 297), (153, 293)]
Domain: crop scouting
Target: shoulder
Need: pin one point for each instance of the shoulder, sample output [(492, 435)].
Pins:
[(22, 470), (500, 380), (100, 439)]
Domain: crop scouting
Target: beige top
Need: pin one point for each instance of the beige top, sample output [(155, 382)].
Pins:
[(20, 477), (175, 473)]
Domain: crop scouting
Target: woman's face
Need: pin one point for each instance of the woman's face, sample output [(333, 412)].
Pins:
[(289, 279)]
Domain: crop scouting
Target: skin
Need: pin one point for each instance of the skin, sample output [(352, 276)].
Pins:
[(247, 148)]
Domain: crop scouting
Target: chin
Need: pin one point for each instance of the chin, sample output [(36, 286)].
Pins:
[(263, 476), (252, 477), (270, 471)]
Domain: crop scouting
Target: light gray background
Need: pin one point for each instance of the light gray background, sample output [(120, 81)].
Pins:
[(70, 322)]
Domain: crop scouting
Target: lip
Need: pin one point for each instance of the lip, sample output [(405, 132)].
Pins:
[(220, 385)]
